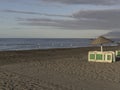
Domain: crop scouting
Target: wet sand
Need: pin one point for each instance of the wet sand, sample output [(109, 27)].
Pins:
[(57, 69)]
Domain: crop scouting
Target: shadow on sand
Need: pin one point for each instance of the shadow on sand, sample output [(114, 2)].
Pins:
[(117, 58)]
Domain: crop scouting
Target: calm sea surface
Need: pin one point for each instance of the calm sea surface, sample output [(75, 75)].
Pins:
[(8, 44)]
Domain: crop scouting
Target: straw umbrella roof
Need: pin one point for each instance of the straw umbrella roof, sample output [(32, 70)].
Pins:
[(101, 40)]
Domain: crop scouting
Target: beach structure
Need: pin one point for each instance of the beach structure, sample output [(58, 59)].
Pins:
[(117, 53), (98, 56), (100, 41), (101, 56)]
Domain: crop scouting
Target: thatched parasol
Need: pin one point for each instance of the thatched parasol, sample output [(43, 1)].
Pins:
[(101, 40)]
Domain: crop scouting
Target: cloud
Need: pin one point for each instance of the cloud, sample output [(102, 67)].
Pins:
[(113, 34), (91, 19), (8, 0), (42, 22), (92, 2), (109, 14), (34, 13), (89, 2), (104, 19)]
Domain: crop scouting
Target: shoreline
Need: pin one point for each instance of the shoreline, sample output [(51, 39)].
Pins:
[(88, 47), (9, 57)]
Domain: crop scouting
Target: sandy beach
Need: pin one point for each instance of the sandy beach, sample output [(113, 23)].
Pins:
[(57, 69)]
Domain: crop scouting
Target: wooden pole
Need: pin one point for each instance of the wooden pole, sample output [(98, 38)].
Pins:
[(101, 48)]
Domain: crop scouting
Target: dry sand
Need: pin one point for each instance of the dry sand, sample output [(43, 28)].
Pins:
[(57, 69)]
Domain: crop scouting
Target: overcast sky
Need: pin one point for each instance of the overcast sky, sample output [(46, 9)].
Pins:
[(59, 18)]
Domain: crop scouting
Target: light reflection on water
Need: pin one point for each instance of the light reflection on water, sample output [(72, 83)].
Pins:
[(36, 43)]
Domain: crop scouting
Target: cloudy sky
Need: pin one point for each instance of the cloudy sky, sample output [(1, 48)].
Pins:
[(59, 18)]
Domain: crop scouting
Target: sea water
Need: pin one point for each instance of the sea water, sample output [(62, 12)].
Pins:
[(8, 44)]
